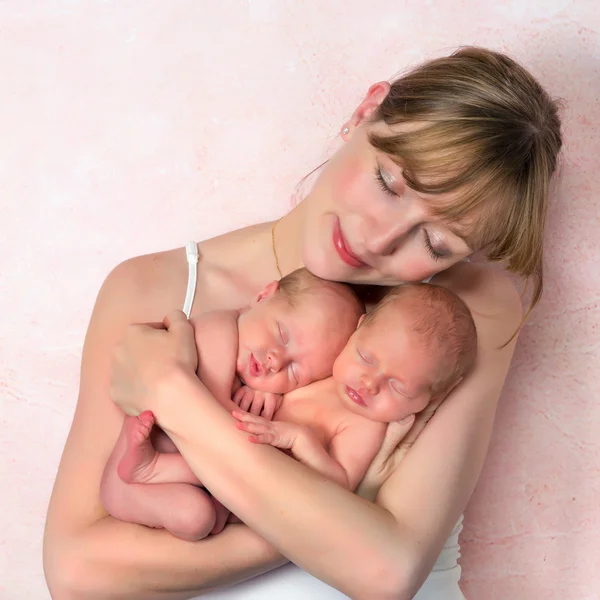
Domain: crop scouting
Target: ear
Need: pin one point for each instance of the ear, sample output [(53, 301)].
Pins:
[(366, 109), (362, 318), (268, 291)]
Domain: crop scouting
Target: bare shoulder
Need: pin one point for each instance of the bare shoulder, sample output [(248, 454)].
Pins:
[(150, 285), (492, 297)]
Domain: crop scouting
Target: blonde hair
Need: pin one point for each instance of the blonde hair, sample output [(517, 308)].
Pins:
[(486, 129), (443, 323)]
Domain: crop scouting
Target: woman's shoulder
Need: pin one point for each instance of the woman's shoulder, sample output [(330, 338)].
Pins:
[(491, 295), (482, 285), (149, 285)]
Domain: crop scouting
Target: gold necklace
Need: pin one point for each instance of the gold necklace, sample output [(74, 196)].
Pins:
[(275, 251)]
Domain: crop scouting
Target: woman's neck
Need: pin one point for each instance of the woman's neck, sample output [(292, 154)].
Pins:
[(288, 239), (246, 257)]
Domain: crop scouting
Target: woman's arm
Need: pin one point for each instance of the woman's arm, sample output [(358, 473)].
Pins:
[(365, 550), (87, 554)]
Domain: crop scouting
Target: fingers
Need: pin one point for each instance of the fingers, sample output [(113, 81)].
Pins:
[(246, 417), (239, 395), (257, 426), (257, 404), (269, 407), (246, 400)]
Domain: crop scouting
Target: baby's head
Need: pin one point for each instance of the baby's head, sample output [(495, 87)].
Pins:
[(292, 333), (414, 346)]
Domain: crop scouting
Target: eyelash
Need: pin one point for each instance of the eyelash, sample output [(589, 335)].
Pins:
[(432, 251), (382, 184), (362, 357)]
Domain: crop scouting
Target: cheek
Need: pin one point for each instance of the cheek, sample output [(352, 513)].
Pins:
[(341, 367), (393, 409), (350, 181)]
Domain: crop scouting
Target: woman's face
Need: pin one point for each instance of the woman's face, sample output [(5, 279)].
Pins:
[(364, 225)]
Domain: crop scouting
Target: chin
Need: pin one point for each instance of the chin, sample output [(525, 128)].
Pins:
[(322, 266)]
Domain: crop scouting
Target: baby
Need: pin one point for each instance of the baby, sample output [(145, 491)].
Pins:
[(410, 350), (289, 337)]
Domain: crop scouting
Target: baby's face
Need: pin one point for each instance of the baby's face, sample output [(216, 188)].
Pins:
[(284, 346), (384, 373)]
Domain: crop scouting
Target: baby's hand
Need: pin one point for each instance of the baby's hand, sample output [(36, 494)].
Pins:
[(264, 404), (276, 433)]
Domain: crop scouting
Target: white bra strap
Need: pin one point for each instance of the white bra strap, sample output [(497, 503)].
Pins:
[(191, 252)]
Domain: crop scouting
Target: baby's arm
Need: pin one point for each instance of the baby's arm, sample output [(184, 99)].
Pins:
[(217, 345), (350, 452)]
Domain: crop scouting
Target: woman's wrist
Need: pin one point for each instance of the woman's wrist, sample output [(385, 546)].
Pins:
[(171, 392)]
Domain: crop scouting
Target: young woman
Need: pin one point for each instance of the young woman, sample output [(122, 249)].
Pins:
[(455, 157)]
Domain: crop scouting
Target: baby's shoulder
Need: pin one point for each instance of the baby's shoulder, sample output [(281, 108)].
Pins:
[(216, 325), (362, 427)]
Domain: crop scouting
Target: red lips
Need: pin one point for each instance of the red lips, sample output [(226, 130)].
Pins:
[(355, 396), (254, 366), (343, 250)]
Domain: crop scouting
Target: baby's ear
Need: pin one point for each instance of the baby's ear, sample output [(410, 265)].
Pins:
[(268, 291), (361, 319)]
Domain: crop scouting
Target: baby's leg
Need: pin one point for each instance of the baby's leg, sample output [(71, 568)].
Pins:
[(141, 463), (183, 509)]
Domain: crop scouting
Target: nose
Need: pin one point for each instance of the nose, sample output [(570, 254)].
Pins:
[(388, 231), (370, 383), (275, 361)]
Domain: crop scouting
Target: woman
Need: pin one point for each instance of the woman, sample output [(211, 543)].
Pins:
[(453, 158)]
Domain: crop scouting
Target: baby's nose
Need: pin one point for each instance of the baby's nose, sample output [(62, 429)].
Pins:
[(370, 383), (275, 361)]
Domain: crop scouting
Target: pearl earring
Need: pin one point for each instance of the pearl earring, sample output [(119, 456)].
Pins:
[(345, 131)]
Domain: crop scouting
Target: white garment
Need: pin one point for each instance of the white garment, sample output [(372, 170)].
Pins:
[(292, 583)]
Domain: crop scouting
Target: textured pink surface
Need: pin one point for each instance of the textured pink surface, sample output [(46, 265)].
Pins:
[(129, 127)]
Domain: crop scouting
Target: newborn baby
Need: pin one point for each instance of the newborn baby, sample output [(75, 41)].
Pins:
[(289, 337), (412, 349)]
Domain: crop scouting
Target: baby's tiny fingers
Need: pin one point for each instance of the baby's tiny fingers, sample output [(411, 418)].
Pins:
[(256, 407), (262, 438), (269, 407), (251, 427), (247, 417), (237, 397), (247, 401)]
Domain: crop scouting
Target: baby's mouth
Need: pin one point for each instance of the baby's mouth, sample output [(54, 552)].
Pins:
[(355, 396), (254, 366)]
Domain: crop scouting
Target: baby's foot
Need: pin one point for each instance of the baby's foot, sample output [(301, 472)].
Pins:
[(139, 458)]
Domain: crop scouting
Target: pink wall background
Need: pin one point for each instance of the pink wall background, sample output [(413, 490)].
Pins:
[(130, 127)]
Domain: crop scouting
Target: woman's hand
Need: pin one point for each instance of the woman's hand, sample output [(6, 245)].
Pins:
[(146, 355), (399, 439)]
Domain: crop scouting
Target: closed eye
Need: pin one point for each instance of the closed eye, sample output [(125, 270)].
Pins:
[(363, 357), (295, 375), (395, 387), (283, 341), (435, 254), (382, 183)]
